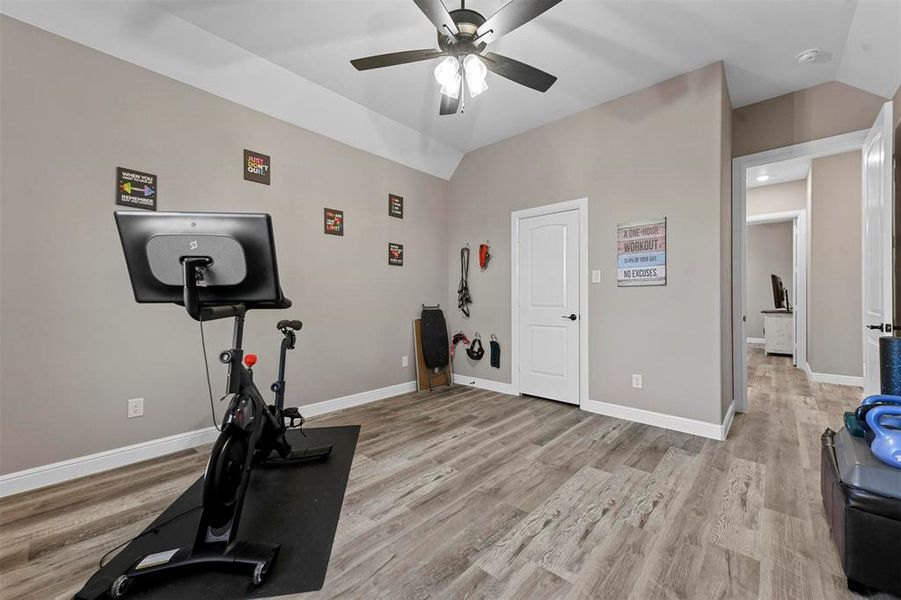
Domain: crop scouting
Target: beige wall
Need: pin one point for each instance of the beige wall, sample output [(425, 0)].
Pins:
[(769, 251), (75, 346), (653, 153), (726, 358), (817, 112), (776, 198), (834, 275)]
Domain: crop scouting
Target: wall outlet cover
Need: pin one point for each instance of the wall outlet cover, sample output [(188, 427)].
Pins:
[(135, 408), (595, 277), (636, 381), (405, 361)]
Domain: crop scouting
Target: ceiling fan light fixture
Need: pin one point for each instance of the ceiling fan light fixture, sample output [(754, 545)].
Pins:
[(447, 74), (476, 73)]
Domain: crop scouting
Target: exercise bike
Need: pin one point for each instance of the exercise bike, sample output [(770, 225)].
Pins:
[(238, 256)]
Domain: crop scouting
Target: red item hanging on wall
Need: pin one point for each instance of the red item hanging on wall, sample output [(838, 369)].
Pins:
[(484, 255)]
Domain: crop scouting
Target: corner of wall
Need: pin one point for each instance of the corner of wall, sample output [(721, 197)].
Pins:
[(726, 334)]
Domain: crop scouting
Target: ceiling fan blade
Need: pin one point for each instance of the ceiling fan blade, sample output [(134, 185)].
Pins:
[(510, 16), (518, 72), (438, 15), (394, 58), (450, 106)]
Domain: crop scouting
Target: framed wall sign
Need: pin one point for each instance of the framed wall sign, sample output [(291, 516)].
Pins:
[(396, 206), (256, 167), (395, 254), (641, 253), (333, 221), (135, 189)]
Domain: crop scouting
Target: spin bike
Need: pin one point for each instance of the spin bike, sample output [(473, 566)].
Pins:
[(252, 433)]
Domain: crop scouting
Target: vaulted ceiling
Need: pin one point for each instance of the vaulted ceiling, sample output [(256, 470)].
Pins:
[(291, 58)]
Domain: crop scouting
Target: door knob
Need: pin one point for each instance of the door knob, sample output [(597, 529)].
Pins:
[(887, 327), (571, 317)]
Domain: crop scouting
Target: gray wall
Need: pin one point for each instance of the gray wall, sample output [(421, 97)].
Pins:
[(779, 197), (657, 152), (769, 251), (834, 274), (816, 112), (75, 346)]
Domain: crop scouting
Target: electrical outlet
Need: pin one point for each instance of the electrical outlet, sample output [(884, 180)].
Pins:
[(405, 361), (636, 381), (135, 408), (595, 277)]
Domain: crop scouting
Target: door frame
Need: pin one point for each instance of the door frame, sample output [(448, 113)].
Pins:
[(845, 142), (581, 206), (799, 257)]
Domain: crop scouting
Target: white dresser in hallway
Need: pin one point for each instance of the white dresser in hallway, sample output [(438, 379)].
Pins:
[(779, 331)]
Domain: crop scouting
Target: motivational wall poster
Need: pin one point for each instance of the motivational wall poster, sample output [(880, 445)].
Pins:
[(135, 189), (395, 254), (334, 221), (641, 253), (256, 167), (396, 206)]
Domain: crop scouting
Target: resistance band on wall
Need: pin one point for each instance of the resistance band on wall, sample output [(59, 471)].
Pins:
[(476, 351), (463, 297), (458, 337)]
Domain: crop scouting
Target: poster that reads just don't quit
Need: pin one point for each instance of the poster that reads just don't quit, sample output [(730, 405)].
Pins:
[(641, 253)]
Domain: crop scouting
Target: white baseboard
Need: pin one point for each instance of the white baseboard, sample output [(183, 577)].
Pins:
[(38, 477), (714, 431), (485, 384), (756, 341), (832, 378)]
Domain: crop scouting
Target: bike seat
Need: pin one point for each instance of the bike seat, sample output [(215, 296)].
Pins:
[(296, 325)]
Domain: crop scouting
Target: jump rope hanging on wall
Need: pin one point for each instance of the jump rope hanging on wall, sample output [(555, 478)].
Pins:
[(463, 297)]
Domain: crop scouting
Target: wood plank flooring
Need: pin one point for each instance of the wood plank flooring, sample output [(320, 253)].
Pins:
[(466, 493)]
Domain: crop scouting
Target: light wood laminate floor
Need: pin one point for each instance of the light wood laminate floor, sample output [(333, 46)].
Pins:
[(466, 493)]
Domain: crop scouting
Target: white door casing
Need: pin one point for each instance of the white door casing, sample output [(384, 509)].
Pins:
[(877, 244), (549, 296)]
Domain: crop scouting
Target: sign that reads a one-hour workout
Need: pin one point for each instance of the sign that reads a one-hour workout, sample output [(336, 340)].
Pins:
[(135, 189), (641, 253)]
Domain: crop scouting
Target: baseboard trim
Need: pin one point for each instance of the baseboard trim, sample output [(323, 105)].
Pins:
[(714, 431), (757, 341), (485, 384), (833, 378), (38, 477)]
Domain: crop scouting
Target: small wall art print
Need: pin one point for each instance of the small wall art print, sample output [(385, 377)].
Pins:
[(256, 167), (641, 253), (396, 206), (395, 254), (135, 189), (333, 221)]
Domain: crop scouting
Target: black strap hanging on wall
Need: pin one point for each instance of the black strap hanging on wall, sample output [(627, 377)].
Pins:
[(495, 352), (476, 352), (463, 297)]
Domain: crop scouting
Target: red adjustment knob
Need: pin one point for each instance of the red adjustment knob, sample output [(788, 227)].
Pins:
[(250, 360)]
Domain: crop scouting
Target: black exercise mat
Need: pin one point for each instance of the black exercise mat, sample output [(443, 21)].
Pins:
[(296, 506)]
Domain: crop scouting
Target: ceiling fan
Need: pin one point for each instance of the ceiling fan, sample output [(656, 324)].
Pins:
[(463, 35)]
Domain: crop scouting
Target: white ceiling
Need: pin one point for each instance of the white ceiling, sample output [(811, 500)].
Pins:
[(779, 172), (290, 58), (600, 50)]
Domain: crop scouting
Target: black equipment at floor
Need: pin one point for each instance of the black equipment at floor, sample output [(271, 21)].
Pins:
[(435, 345), (463, 297), (862, 501), (299, 508), (218, 266)]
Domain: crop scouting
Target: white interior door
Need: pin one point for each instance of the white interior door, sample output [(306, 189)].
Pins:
[(549, 306), (877, 244)]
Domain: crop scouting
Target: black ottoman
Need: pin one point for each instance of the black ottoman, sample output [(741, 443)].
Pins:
[(866, 528)]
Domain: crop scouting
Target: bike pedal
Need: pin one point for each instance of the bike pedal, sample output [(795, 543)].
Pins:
[(293, 414)]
